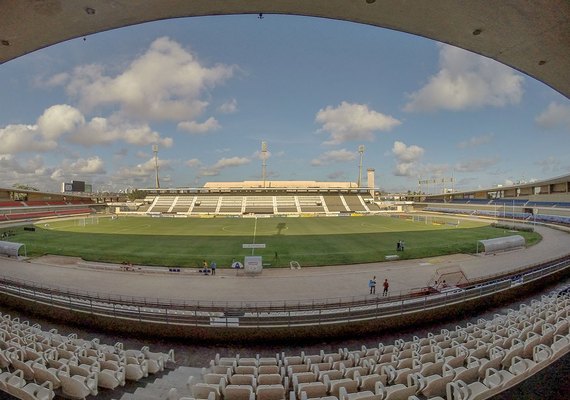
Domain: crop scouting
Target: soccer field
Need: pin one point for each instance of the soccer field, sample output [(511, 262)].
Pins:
[(310, 241)]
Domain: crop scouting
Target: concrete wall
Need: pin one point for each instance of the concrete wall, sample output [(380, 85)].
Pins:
[(350, 329)]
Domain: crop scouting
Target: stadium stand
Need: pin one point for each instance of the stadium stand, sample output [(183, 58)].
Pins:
[(258, 204), (286, 204), (239, 202), (311, 204), (355, 203), (163, 204), (42, 364), (205, 204), (335, 203), (17, 211), (478, 360), (183, 204)]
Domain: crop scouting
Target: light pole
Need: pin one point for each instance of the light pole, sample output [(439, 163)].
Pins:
[(361, 151), (263, 161), (155, 151)]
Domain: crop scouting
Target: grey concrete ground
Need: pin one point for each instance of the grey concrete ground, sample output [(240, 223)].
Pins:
[(273, 284)]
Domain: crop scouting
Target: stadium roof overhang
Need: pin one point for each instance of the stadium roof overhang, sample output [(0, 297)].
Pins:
[(561, 182), (531, 36)]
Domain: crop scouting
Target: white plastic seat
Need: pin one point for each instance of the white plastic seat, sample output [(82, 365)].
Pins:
[(215, 378), (271, 392), (312, 390), (248, 361), (135, 371), (243, 379), (245, 369), (398, 391), (368, 382), (33, 391), (434, 385), (238, 392), (560, 345), (270, 379), (111, 379), (78, 386), (43, 373), (206, 391), (333, 386), (268, 369), (459, 390), (363, 395)]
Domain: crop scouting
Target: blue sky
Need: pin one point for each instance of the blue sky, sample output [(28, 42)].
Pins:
[(208, 90)]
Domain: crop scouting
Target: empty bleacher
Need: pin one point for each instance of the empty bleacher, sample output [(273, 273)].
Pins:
[(475, 361), (183, 204), (40, 364), (335, 203), (163, 204), (311, 204), (234, 203), (19, 210), (258, 204), (231, 204), (286, 204), (205, 204), (354, 202)]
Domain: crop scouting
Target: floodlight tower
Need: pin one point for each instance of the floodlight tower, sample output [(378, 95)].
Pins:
[(263, 161), (155, 151), (361, 151)]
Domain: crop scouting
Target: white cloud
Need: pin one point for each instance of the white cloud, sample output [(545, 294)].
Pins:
[(407, 158), (144, 172), (211, 124), (551, 165), (59, 119), (466, 80), (192, 163), (223, 163), (433, 170), (334, 156), (105, 131), (353, 122), (555, 116), (165, 83), (24, 138), (229, 107), (337, 175), (88, 166), (406, 153), (475, 141), (78, 168), (11, 166), (476, 164), (56, 80)]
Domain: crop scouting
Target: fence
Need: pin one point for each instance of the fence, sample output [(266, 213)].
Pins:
[(267, 313)]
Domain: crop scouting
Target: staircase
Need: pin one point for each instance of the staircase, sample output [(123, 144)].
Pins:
[(158, 390)]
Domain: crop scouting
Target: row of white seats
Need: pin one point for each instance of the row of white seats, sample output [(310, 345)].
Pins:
[(74, 366), (482, 357)]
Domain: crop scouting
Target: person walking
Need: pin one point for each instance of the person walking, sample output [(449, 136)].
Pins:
[(386, 286), (372, 285)]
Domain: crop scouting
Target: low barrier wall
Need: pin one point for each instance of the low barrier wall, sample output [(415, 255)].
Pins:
[(266, 320)]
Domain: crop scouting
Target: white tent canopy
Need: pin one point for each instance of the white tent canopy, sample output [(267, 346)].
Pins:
[(503, 243), (10, 248)]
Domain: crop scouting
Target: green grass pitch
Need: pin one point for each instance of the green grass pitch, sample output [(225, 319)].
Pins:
[(185, 242)]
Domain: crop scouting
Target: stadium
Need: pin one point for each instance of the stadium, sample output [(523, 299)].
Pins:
[(104, 298)]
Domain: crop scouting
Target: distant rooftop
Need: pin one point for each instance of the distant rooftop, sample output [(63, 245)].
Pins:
[(280, 184)]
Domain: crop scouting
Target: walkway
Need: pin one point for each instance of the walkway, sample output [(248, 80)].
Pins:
[(274, 284)]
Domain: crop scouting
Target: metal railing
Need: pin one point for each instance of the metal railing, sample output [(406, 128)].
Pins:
[(267, 313)]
